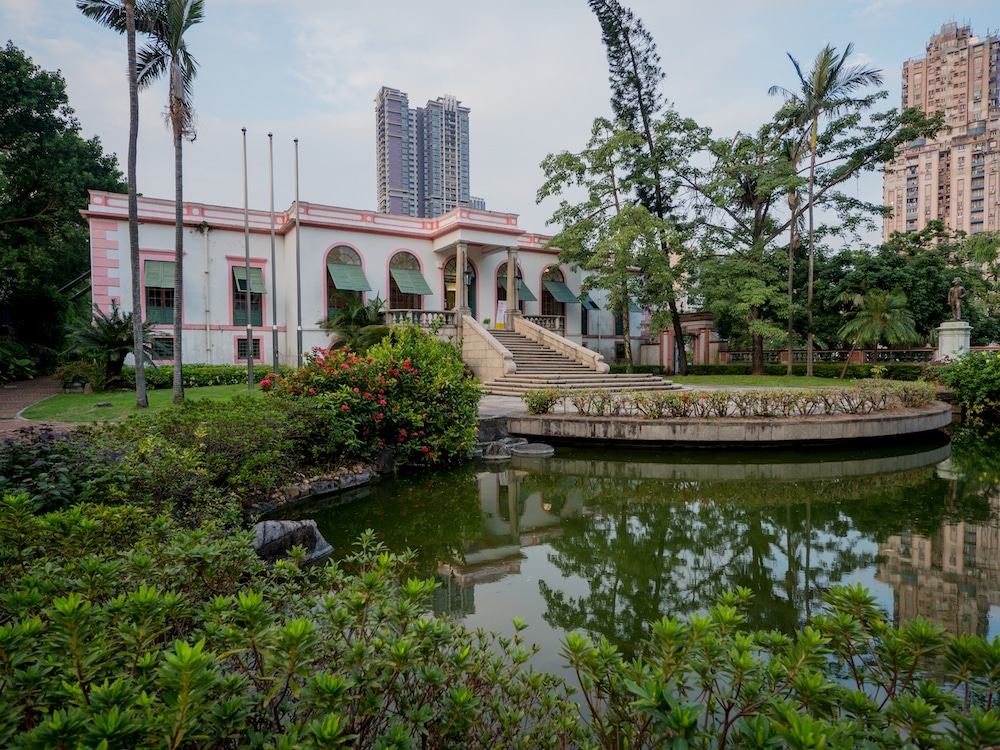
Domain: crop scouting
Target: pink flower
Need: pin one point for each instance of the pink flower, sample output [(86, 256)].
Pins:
[(345, 407), (312, 391), (346, 367), (357, 390), (425, 449)]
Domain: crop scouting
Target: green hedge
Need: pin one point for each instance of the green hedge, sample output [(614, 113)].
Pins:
[(196, 376), (893, 371), (638, 369)]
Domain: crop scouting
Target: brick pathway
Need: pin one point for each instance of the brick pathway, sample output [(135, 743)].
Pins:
[(15, 397)]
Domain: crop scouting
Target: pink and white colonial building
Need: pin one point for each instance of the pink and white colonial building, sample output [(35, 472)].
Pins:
[(323, 256)]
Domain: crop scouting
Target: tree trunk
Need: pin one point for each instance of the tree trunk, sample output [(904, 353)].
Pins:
[(627, 334), (791, 292), (178, 128), (681, 365), (138, 346), (809, 297), (756, 347)]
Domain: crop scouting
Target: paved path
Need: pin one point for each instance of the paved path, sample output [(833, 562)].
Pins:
[(16, 397)]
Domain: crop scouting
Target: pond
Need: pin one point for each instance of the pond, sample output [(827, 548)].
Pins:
[(605, 541)]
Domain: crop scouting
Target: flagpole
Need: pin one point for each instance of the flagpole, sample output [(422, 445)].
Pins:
[(274, 269), (298, 262), (246, 247)]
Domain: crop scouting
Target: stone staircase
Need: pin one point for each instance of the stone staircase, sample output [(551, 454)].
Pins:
[(540, 367)]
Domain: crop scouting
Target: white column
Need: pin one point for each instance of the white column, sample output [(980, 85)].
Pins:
[(513, 310)]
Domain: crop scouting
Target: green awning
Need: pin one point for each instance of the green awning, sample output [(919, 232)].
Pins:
[(524, 294), (589, 304), (159, 274), (410, 281), (560, 291), (256, 280), (348, 278), (632, 307)]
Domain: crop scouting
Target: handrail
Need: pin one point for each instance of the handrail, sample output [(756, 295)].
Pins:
[(572, 350)]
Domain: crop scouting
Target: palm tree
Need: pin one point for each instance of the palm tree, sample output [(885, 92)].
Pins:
[(108, 339), (792, 151), (120, 15), (879, 317), (357, 325), (827, 90), (166, 21)]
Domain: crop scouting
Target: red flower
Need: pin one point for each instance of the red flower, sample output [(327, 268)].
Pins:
[(425, 449), (312, 391), (345, 407)]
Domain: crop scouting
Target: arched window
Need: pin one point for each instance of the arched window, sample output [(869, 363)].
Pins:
[(451, 282), (407, 285), (551, 305), (524, 294), (345, 278)]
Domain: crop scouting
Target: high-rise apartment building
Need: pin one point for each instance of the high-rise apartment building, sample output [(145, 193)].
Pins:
[(423, 155), (956, 176)]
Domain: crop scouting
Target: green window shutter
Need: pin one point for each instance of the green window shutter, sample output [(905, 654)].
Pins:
[(410, 281), (589, 303), (349, 278), (560, 291), (256, 280), (240, 317), (159, 315), (159, 274), (524, 294)]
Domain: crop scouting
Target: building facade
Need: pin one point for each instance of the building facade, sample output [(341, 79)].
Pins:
[(323, 256), (422, 156), (955, 177)]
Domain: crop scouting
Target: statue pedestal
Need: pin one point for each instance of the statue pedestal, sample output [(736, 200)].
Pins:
[(953, 339)]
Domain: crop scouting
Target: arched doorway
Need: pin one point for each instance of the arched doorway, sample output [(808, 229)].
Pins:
[(524, 293), (451, 282)]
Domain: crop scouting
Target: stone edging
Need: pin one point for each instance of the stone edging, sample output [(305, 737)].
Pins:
[(733, 431)]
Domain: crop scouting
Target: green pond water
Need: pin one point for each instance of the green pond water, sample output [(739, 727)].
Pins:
[(605, 541)]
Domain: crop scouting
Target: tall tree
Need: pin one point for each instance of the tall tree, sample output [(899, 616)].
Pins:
[(827, 90), (166, 22), (120, 15), (609, 234), (635, 77), (46, 170)]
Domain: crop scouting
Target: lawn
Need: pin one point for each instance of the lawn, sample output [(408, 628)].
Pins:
[(83, 407), (760, 381)]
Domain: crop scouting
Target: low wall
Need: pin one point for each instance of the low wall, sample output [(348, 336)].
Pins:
[(572, 350), (485, 356), (747, 432)]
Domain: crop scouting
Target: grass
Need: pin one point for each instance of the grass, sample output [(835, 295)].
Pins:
[(760, 381), (83, 407)]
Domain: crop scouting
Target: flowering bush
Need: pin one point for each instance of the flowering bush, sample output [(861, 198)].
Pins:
[(76, 370), (410, 395)]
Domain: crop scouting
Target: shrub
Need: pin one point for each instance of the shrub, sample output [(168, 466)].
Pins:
[(16, 362), (638, 369), (410, 395), (893, 370), (183, 638), (197, 376), (974, 380), (541, 401)]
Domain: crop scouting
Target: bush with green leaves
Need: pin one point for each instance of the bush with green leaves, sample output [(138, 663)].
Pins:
[(410, 394), (974, 381), (184, 639), (197, 376), (16, 362), (893, 370), (864, 397), (541, 401), (118, 630)]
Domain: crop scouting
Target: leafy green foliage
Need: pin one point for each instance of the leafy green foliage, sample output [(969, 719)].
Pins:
[(46, 170), (16, 363), (357, 325), (184, 638), (541, 401), (410, 395), (106, 341), (197, 376), (121, 629), (894, 370), (974, 380)]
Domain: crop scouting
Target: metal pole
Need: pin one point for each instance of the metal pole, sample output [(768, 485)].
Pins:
[(274, 269), (298, 263), (246, 247)]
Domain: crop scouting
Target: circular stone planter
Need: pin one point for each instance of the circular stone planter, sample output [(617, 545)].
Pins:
[(749, 432)]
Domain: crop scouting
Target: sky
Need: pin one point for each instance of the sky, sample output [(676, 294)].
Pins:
[(533, 73)]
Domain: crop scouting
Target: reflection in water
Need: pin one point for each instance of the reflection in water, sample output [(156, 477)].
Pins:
[(607, 542)]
